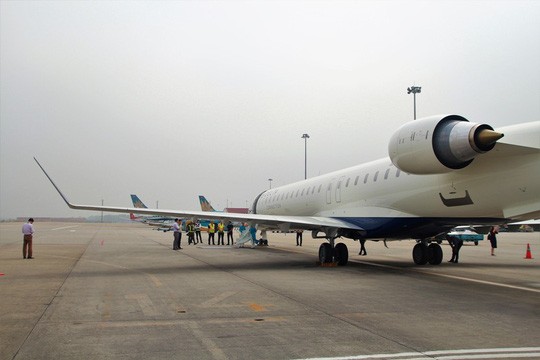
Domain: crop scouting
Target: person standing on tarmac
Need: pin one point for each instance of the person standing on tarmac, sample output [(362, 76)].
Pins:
[(221, 233), (230, 228), (211, 231), (198, 238), (190, 228), (28, 233), (177, 232), (492, 237), (362, 247), (253, 233), (299, 237)]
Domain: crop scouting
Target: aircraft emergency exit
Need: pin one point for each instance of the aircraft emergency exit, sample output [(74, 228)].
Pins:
[(442, 171)]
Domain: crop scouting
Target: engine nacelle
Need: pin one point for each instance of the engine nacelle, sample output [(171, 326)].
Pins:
[(439, 144)]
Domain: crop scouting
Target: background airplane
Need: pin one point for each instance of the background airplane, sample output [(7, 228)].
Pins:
[(162, 223), (442, 171), (206, 206)]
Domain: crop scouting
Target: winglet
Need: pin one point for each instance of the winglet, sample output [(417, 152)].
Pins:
[(52, 182)]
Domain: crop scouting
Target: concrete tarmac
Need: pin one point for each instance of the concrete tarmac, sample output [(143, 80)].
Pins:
[(118, 291)]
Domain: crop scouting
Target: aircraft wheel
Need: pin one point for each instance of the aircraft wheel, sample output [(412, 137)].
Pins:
[(341, 254), (420, 254), (325, 253), (476, 243), (435, 254)]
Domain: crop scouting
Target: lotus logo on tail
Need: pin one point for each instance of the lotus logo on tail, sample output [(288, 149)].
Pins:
[(205, 205)]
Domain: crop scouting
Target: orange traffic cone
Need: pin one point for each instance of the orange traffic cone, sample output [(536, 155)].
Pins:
[(528, 255)]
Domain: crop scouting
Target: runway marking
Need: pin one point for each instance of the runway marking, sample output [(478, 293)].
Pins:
[(146, 305), (211, 346), (213, 301), (257, 307), (65, 227), (458, 354), (485, 282), (155, 279)]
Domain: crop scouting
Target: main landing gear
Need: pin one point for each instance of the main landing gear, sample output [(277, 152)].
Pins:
[(328, 253), (423, 253)]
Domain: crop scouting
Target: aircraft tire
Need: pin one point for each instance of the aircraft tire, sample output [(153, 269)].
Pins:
[(341, 254), (325, 253), (435, 254), (420, 254)]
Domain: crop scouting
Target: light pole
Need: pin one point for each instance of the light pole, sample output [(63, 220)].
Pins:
[(414, 90), (270, 181), (305, 137)]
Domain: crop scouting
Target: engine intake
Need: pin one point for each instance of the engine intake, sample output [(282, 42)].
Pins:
[(439, 144)]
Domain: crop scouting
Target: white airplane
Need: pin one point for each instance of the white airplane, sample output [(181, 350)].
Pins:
[(442, 171)]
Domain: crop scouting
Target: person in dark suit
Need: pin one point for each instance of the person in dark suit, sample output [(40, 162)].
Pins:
[(456, 244), (362, 247)]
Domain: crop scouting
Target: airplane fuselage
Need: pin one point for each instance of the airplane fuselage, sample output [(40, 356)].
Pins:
[(389, 203)]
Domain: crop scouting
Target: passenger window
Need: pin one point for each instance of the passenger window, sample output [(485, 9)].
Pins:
[(366, 178), (313, 190), (297, 191), (376, 176), (347, 183), (398, 172), (356, 180), (386, 174), (302, 194), (320, 187)]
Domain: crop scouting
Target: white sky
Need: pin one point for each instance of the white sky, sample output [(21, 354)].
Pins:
[(170, 100)]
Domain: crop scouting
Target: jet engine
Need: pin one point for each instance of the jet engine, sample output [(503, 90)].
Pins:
[(439, 144)]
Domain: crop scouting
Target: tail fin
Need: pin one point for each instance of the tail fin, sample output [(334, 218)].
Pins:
[(137, 202), (205, 205)]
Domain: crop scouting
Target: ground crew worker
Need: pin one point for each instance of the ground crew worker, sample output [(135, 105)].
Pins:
[(230, 228), (211, 231), (198, 238), (221, 233), (190, 228)]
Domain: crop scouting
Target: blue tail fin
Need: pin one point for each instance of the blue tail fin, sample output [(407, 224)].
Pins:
[(205, 205), (137, 202)]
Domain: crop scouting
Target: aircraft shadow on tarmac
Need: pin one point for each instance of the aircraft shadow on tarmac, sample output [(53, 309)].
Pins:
[(276, 260)]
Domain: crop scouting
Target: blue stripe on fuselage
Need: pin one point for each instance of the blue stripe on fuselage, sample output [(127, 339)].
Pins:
[(412, 227)]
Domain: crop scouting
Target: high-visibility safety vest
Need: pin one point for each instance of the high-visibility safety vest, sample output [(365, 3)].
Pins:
[(221, 227), (211, 228)]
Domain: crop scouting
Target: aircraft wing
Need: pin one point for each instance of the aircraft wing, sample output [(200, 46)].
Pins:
[(281, 222)]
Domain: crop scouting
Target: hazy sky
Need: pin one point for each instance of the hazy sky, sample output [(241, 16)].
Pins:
[(170, 100)]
